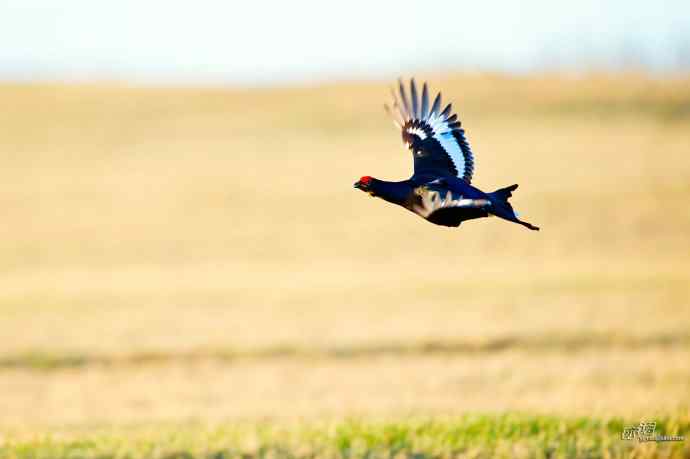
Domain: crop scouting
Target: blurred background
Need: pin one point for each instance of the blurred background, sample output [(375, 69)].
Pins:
[(180, 238)]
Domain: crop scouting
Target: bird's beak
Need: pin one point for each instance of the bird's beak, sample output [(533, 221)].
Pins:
[(357, 184)]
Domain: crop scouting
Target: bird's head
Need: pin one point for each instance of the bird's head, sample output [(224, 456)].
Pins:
[(365, 183)]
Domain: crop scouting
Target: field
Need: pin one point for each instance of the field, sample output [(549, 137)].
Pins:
[(188, 273)]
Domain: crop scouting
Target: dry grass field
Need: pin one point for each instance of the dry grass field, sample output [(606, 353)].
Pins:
[(173, 255)]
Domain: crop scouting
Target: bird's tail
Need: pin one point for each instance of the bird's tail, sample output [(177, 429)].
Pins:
[(502, 194), (503, 209)]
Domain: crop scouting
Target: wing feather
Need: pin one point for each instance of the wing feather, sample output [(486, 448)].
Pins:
[(425, 102), (413, 96), (438, 141), (400, 115), (436, 106), (393, 115), (447, 110), (403, 97)]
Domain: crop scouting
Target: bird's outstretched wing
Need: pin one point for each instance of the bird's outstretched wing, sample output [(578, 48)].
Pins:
[(437, 140), (429, 199), (443, 207)]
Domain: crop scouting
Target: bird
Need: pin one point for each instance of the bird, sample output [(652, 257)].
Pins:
[(440, 189)]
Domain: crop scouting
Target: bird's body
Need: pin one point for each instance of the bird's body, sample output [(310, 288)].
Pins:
[(440, 189)]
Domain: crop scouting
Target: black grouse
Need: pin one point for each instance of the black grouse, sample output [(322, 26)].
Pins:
[(440, 189)]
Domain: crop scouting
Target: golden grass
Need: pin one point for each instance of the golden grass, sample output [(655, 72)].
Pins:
[(174, 221), (635, 383)]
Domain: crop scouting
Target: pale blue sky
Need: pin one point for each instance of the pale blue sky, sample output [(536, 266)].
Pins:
[(301, 41)]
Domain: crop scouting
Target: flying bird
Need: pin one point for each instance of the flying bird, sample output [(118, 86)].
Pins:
[(440, 189)]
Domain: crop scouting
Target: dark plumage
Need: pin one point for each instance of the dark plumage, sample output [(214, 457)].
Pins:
[(439, 189)]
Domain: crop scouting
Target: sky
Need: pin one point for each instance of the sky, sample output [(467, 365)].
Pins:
[(257, 43)]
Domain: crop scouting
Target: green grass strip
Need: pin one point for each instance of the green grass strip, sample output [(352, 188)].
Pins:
[(470, 436)]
